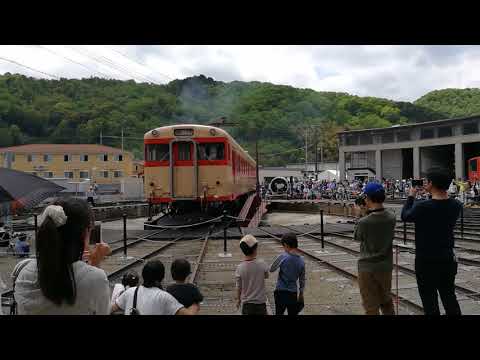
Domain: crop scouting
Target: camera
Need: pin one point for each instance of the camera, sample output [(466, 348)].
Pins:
[(360, 200), (417, 183)]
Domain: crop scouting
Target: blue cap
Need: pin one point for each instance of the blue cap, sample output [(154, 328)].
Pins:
[(372, 188)]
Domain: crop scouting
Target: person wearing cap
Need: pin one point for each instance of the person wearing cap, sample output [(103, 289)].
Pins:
[(375, 233), (250, 278)]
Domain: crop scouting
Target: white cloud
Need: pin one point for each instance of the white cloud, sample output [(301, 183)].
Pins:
[(394, 72)]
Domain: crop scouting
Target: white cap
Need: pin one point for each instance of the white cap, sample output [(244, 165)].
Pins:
[(249, 240)]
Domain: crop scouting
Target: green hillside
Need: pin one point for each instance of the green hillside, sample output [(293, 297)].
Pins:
[(452, 102), (74, 111)]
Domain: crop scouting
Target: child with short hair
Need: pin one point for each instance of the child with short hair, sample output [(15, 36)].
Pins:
[(186, 294), (292, 269), (250, 278)]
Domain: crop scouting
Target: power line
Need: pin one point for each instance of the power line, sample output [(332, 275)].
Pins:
[(140, 63), (83, 53), (30, 68), (106, 61), (73, 61)]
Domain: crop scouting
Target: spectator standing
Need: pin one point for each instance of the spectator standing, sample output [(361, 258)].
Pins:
[(150, 298), (22, 248), (130, 279), (58, 282), (90, 195), (435, 262), (375, 233), (186, 294), (250, 278), (288, 295)]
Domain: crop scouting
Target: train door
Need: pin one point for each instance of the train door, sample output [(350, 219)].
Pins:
[(184, 170)]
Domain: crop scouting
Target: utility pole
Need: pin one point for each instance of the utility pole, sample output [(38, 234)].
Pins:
[(122, 139), (256, 160), (101, 137), (306, 150), (316, 153)]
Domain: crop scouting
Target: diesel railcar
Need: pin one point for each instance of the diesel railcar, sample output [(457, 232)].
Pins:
[(190, 165)]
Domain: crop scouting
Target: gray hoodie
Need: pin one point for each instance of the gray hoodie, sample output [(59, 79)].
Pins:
[(93, 292)]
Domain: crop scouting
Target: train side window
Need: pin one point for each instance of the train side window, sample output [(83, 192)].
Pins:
[(473, 165), (158, 152), (184, 151), (211, 151)]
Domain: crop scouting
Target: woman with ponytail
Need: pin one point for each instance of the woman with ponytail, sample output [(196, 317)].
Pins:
[(59, 281)]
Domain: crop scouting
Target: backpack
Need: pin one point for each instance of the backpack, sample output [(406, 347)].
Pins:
[(134, 310)]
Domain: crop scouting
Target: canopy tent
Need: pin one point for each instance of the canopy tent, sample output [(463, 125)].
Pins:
[(328, 175)]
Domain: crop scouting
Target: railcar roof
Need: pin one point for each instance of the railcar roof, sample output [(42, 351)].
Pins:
[(206, 128)]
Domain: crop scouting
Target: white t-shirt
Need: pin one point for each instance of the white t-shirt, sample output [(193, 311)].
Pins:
[(118, 289), (150, 301), (93, 292)]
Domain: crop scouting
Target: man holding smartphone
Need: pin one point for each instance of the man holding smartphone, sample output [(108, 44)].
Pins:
[(435, 262)]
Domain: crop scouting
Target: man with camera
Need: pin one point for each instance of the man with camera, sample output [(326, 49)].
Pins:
[(435, 262), (375, 233)]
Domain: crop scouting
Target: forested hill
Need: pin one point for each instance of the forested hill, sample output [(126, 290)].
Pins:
[(74, 111), (452, 102)]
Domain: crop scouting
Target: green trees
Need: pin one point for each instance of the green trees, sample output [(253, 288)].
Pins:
[(68, 111)]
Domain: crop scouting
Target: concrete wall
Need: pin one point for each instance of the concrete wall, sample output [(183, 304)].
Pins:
[(392, 164), (274, 172)]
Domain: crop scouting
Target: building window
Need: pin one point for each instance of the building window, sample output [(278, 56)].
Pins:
[(352, 140), (83, 174), (117, 174), (119, 157), (103, 157), (48, 174), (68, 174), (13, 157), (157, 152), (83, 157), (30, 157), (211, 151), (366, 139), (427, 133), (387, 138), (444, 131), (470, 128), (67, 158), (403, 136), (47, 158), (103, 174)]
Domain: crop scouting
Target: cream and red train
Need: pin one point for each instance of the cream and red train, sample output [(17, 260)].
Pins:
[(191, 164)]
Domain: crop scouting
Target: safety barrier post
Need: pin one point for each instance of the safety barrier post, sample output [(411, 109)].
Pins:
[(224, 220), (396, 261), (321, 229), (125, 235), (404, 233), (461, 222)]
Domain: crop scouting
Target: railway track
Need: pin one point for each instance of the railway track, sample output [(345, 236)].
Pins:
[(468, 292)]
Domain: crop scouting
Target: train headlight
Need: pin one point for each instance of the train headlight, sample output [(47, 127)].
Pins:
[(213, 132), (152, 184), (154, 132), (218, 182)]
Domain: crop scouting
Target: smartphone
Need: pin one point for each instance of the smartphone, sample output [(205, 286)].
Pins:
[(96, 235), (417, 183)]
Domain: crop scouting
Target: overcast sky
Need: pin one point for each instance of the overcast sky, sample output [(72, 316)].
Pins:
[(395, 72)]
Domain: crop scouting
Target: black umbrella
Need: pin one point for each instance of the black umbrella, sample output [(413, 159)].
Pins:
[(23, 190)]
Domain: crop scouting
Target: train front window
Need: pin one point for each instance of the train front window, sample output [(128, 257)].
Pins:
[(211, 151), (184, 151), (158, 152), (473, 165)]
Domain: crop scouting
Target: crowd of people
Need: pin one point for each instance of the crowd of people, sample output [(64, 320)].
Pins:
[(464, 190), (66, 277)]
